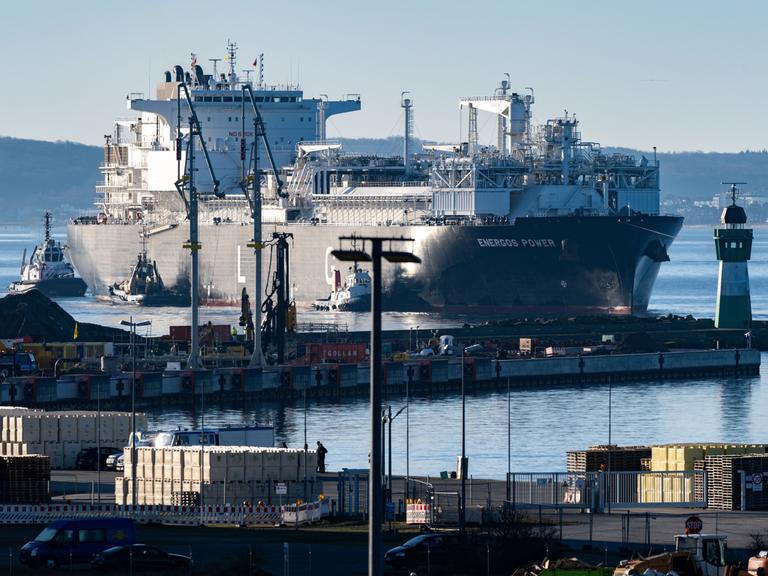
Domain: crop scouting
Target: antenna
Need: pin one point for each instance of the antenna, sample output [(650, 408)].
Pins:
[(47, 227), (215, 70), (261, 69), (734, 189), (231, 56)]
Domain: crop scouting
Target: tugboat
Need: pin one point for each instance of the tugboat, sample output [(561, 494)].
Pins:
[(355, 296), (47, 270), (145, 286)]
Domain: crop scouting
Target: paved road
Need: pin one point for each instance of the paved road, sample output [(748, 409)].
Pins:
[(228, 550)]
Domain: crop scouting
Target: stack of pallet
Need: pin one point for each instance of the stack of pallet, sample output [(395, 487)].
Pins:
[(220, 474), (62, 435), (683, 458), (725, 474), (24, 479), (614, 458), (680, 457)]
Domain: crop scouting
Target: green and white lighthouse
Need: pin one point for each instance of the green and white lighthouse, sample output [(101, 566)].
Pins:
[(734, 248)]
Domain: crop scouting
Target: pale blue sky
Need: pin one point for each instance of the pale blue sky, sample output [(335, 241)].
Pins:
[(680, 75)]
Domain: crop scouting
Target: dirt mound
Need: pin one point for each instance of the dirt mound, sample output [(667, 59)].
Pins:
[(38, 317)]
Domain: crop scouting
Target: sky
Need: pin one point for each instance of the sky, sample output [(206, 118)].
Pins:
[(679, 75)]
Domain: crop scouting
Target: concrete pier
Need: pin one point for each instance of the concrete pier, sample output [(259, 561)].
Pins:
[(334, 380)]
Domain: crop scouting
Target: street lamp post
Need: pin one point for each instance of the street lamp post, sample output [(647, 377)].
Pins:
[(133, 325), (389, 419), (462, 465), (375, 500), (509, 440), (98, 441), (408, 432), (306, 446)]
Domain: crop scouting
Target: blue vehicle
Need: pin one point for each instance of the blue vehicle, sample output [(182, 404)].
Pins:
[(76, 541)]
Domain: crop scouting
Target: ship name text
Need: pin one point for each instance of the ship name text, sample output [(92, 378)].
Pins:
[(516, 243)]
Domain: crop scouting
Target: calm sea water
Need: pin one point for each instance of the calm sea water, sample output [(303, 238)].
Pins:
[(544, 422)]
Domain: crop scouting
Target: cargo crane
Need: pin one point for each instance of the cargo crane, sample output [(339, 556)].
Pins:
[(185, 185), (251, 185)]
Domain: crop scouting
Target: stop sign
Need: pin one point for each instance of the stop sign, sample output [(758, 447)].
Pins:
[(693, 525)]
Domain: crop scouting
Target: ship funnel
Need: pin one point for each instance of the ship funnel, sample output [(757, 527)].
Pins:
[(179, 71), (199, 76), (168, 77), (407, 105)]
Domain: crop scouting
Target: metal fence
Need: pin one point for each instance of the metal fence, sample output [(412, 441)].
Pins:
[(601, 491)]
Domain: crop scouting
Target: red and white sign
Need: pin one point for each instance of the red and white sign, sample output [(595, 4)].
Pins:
[(693, 525)]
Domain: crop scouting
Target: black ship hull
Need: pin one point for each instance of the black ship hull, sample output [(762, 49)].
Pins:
[(54, 288), (558, 265)]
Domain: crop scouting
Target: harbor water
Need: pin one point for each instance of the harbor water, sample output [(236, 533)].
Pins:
[(543, 423)]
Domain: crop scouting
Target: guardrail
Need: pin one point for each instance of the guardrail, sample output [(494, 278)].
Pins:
[(175, 515)]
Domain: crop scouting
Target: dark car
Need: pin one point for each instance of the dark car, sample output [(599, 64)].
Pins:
[(86, 458), (428, 549), (75, 541), (140, 558)]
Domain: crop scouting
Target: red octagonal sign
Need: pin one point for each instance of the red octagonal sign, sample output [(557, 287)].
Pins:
[(693, 525)]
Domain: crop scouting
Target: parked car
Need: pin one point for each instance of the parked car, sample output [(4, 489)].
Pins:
[(86, 458), (430, 548), (111, 462), (140, 558), (120, 463), (76, 541)]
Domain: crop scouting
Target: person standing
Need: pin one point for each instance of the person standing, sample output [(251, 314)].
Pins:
[(321, 452)]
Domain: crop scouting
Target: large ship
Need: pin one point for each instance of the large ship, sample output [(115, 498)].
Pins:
[(539, 222)]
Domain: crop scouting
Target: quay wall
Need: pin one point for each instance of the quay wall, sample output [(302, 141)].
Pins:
[(419, 374)]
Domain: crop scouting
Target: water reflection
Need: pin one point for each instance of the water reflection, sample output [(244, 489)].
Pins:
[(545, 422), (735, 401)]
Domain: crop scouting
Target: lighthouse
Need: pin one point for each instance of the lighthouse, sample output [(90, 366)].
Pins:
[(733, 243)]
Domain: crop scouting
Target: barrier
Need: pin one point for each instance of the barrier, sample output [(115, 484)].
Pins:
[(418, 513), (174, 515), (293, 514)]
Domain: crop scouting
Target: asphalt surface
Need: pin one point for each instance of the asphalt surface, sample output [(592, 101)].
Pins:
[(225, 550)]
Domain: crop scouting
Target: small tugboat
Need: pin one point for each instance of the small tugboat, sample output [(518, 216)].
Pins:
[(47, 270), (354, 296), (145, 287)]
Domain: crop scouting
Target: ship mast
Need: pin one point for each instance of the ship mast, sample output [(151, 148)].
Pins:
[(47, 227)]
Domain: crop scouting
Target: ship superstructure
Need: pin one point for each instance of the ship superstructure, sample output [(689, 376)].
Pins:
[(48, 270), (541, 220)]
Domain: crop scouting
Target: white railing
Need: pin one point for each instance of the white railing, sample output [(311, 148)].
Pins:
[(178, 515)]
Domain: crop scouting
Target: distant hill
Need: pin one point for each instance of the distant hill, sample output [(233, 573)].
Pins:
[(37, 175), (60, 176), (698, 175)]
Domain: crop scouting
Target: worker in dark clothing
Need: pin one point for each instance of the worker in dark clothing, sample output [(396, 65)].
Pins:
[(321, 452)]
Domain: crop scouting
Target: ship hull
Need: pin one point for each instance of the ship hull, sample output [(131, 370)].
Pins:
[(55, 288), (559, 265)]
